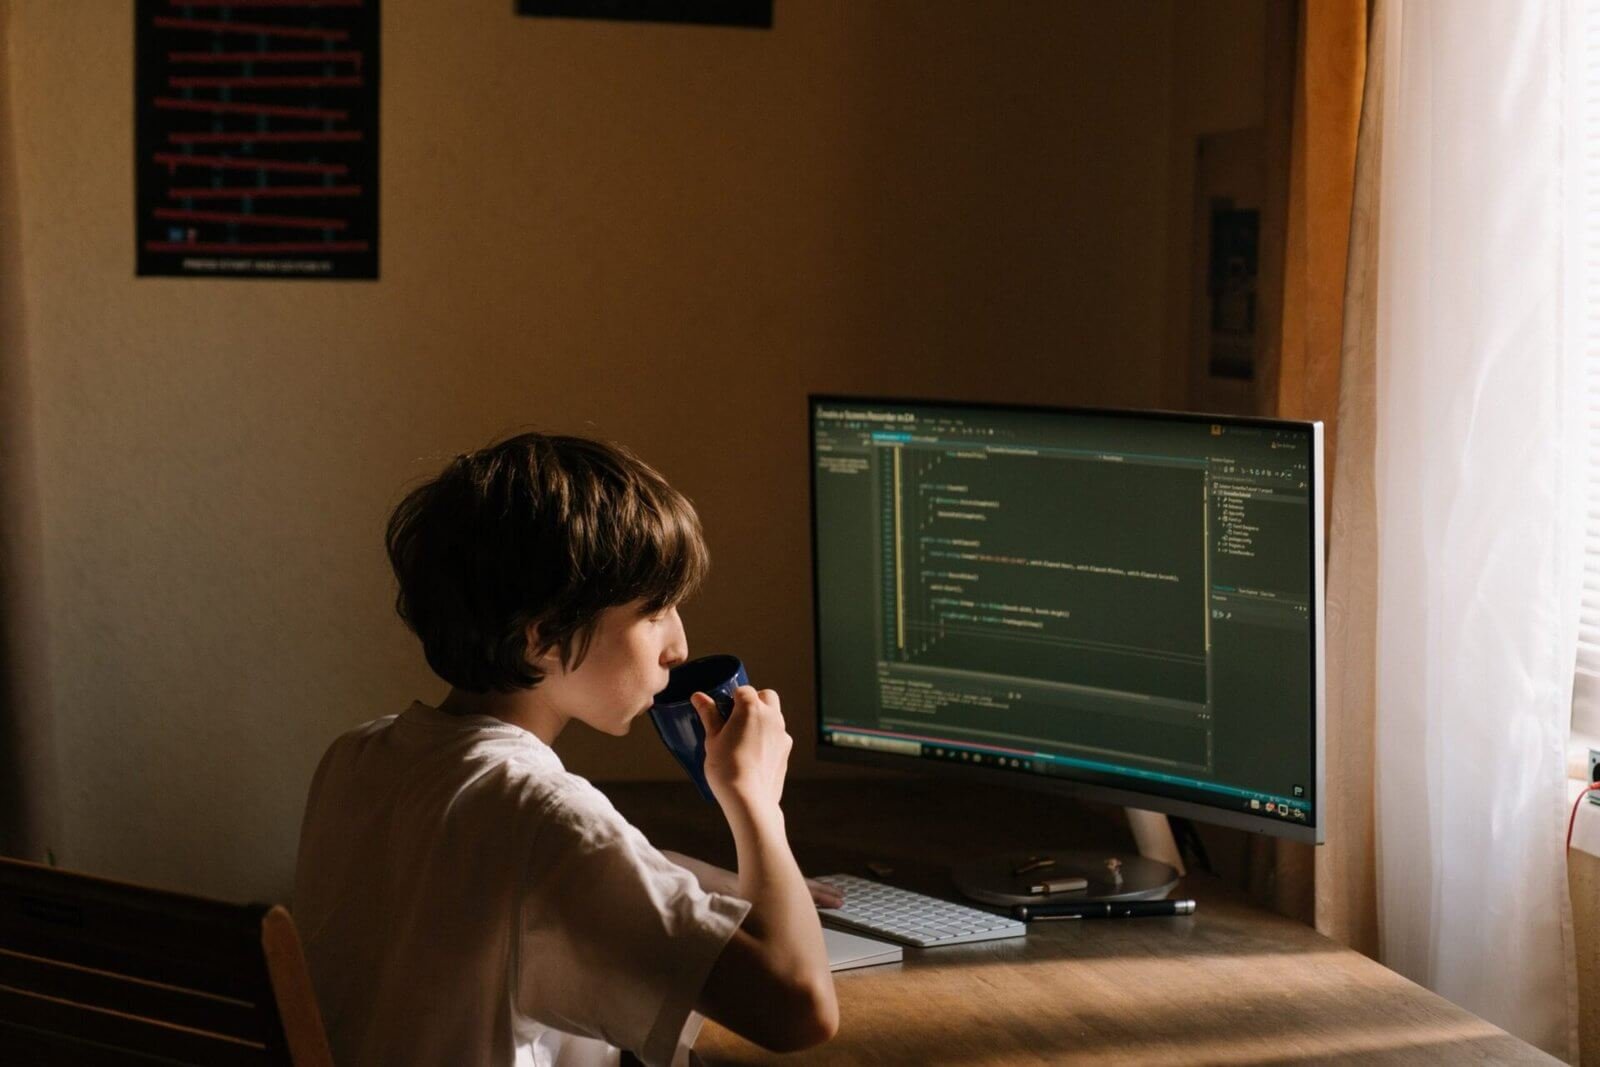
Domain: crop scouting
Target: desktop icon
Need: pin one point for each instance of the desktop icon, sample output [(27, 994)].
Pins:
[(1256, 804), (1271, 807)]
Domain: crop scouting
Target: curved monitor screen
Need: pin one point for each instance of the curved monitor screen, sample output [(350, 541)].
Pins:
[(1119, 600)]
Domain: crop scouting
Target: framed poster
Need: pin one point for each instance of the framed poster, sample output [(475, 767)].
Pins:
[(1233, 255), (755, 14), (256, 153), (1229, 332)]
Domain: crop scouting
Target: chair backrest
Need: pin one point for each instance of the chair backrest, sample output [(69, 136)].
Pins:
[(97, 971)]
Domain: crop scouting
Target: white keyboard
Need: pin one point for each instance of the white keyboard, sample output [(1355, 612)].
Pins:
[(912, 918)]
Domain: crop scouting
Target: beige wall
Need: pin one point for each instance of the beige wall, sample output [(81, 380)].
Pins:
[(1223, 71), (661, 235)]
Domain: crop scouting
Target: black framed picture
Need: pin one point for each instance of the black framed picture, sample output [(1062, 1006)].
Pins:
[(256, 147), (755, 14)]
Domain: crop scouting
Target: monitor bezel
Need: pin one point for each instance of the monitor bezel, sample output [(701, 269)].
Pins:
[(1310, 832)]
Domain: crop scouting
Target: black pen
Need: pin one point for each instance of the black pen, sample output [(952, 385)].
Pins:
[(1109, 909)]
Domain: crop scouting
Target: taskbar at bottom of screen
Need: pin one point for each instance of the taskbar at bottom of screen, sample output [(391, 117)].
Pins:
[(1289, 809)]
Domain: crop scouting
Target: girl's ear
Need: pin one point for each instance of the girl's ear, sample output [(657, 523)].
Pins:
[(547, 662)]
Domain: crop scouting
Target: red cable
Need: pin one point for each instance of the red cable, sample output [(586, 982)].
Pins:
[(1572, 821)]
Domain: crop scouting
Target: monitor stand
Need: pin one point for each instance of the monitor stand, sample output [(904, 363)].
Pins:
[(1109, 875)]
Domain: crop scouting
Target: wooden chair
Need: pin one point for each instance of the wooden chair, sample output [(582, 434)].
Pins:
[(94, 971)]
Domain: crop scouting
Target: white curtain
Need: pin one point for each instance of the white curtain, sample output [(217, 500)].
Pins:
[(1478, 479)]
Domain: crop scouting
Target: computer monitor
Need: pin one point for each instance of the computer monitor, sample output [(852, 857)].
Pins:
[(1123, 605)]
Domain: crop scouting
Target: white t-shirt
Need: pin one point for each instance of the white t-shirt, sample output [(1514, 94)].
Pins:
[(463, 899)]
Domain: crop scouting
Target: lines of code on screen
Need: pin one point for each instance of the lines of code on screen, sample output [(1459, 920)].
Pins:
[(1098, 582)]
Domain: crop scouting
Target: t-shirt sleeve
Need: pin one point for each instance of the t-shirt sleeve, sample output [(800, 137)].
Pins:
[(615, 941)]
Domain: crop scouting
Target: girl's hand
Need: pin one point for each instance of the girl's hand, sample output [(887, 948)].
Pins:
[(747, 756)]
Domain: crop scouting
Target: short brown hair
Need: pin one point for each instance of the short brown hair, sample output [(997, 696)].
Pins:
[(541, 529)]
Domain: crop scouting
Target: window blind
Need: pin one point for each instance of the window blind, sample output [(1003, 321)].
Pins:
[(1581, 133)]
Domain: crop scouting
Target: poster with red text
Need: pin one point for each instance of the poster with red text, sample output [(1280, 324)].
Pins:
[(257, 138)]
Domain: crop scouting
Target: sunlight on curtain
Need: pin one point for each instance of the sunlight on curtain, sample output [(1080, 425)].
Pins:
[(1583, 332), (1478, 490)]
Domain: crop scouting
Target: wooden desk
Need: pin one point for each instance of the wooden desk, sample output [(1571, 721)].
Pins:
[(1231, 984)]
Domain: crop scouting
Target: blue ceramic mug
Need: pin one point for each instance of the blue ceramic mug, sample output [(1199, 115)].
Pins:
[(679, 724)]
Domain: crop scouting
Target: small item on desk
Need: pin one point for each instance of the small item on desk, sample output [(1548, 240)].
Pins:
[(1110, 909), (848, 951), (1033, 863), (1059, 885), (880, 870)]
